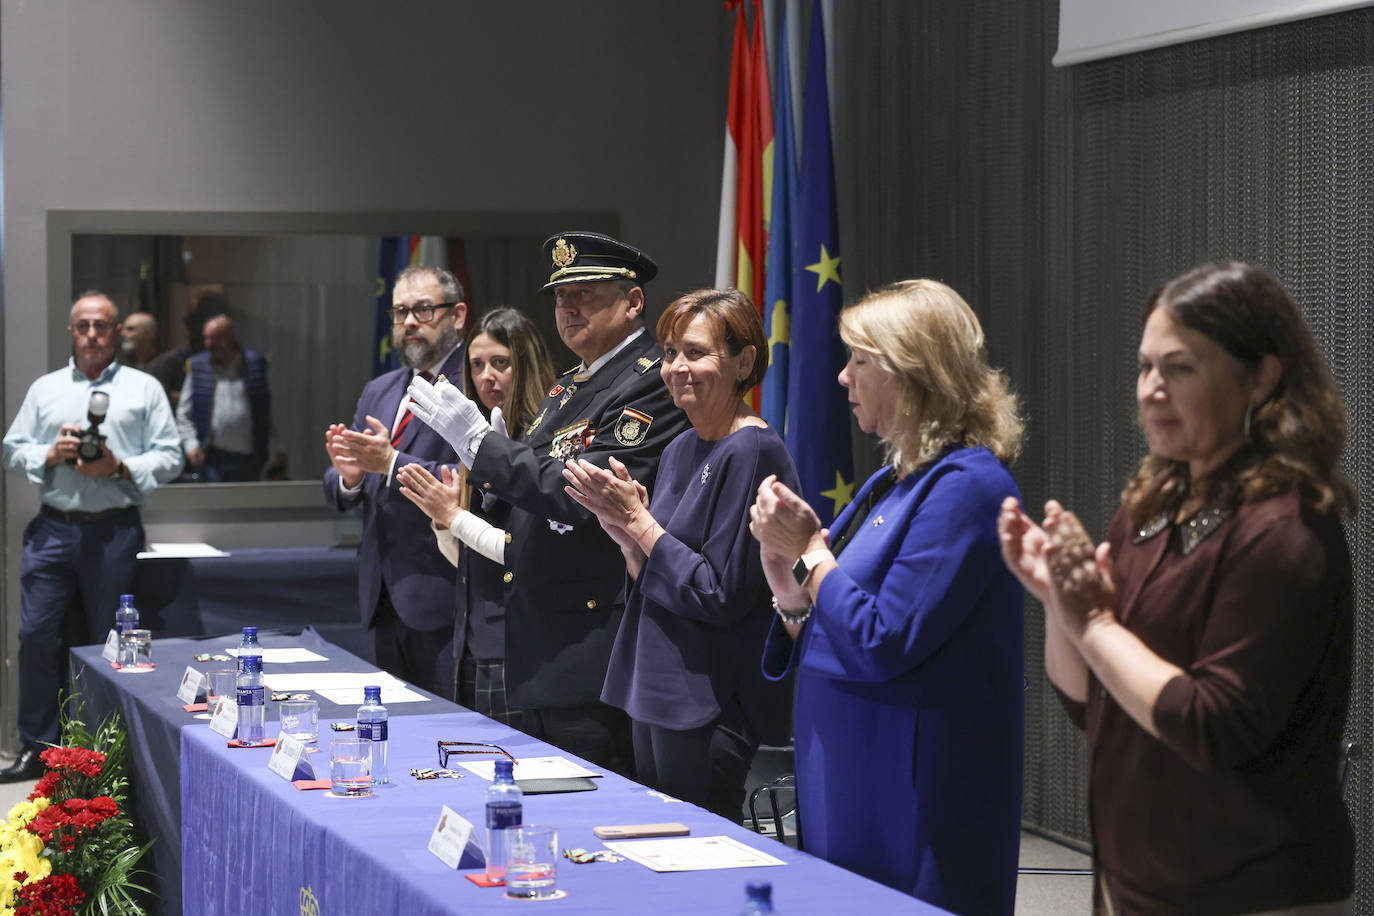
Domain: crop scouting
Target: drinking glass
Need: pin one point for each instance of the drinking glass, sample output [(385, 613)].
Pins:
[(136, 649), (219, 685), (350, 767), (300, 720), (531, 862)]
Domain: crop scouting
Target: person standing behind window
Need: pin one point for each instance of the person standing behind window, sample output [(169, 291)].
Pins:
[(80, 550)]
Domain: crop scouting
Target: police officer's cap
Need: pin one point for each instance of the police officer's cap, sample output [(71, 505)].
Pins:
[(585, 257)]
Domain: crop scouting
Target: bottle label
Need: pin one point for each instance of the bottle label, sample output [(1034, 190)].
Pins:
[(372, 731), (501, 815), (251, 696)]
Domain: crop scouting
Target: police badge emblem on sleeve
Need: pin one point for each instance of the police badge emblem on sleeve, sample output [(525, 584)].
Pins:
[(632, 427)]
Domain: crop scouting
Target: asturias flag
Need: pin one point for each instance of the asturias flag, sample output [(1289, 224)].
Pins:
[(817, 407)]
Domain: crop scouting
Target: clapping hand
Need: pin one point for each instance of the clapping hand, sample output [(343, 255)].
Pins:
[(613, 496), (1080, 577), (1023, 546), (360, 450), (786, 527), (441, 501), (783, 522), (450, 413)]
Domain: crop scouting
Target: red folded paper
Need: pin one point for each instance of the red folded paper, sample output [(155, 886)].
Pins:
[(195, 707), (268, 743), (148, 666), (480, 879), (311, 783)]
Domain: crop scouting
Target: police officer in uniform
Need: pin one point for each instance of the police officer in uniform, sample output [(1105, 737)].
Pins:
[(565, 578)]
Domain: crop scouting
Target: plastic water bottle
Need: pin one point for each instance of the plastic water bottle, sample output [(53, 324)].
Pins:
[(372, 728), (251, 695), (758, 898), (505, 809), (126, 618), (249, 646)]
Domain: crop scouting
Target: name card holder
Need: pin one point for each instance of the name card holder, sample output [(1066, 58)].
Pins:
[(455, 842), (224, 718), (286, 759), (191, 683), (111, 650)]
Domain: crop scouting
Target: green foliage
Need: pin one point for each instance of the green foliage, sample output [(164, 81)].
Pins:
[(105, 860)]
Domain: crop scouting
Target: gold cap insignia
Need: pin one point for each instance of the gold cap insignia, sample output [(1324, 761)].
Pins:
[(563, 253)]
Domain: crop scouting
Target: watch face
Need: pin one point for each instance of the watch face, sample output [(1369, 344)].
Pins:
[(799, 571)]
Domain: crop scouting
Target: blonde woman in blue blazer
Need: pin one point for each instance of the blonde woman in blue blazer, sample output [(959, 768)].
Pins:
[(903, 625)]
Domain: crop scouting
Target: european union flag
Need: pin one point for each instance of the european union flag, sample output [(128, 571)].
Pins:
[(781, 241), (817, 407)]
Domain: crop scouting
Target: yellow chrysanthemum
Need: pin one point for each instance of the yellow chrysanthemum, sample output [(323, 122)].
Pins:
[(19, 851)]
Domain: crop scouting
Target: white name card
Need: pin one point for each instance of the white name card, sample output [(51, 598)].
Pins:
[(452, 834), (224, 718), (286, 754), (111, 650), (191, 682)]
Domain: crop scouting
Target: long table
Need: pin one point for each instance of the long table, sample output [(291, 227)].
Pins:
[(155, 719), (253, 843)]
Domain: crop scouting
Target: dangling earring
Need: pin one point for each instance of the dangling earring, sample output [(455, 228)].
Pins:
[(1249, 409)]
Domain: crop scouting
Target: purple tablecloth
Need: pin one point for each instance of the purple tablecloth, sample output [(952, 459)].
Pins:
[(253, 843), (154, 718)]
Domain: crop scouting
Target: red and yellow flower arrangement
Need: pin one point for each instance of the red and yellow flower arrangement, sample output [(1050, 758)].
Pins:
[(69, 849)]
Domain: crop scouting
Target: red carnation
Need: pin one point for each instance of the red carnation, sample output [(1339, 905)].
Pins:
[(55, 895), (82, 760)]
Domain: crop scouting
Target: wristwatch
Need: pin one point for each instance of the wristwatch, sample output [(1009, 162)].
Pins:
[(801, 570)]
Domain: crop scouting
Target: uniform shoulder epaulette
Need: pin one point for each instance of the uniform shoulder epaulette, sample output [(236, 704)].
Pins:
[(644, 364)]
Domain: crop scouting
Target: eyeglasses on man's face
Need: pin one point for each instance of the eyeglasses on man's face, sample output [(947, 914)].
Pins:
[(424, 312), (101, 328), (447, 748)]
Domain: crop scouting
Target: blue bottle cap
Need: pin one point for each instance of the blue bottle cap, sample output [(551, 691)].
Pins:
[(759, 890), (503, 769), (126, 599), (372, 694), (250, 631)]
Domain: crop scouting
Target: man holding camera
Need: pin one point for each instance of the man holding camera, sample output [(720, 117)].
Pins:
[(97, 438)]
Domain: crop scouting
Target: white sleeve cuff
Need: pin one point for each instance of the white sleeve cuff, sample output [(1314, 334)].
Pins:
[(481, 536)]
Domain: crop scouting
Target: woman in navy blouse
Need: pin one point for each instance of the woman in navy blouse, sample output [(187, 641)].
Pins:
[(685, 661), (903, 625)]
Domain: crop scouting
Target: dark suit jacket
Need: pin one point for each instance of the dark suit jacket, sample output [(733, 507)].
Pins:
[(398, 547), (566, 589)]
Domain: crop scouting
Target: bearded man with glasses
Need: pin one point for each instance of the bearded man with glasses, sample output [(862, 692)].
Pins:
[(406, 589), (79, 551)]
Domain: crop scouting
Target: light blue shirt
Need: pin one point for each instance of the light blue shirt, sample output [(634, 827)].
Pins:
[(138, 427)]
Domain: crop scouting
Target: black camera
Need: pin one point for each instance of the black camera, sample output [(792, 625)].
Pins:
[(92, 444)]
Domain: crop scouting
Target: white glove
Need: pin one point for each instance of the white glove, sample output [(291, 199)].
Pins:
[(498, 423), (447, 411)]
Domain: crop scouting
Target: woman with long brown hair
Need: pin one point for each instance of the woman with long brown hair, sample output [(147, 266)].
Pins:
[(1205, 647)]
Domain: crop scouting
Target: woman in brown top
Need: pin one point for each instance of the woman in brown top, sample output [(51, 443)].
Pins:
[(1205, 647)]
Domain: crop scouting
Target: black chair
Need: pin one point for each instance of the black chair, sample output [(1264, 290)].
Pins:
[(772, 776)]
